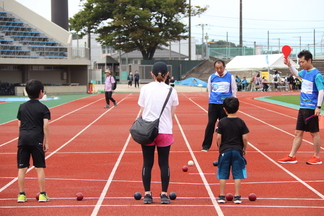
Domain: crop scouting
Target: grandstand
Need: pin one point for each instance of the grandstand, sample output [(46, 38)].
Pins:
[(32, 47)]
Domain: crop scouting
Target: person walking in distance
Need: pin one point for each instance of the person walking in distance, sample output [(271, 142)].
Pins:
[(311, 99), (108, 89), (221, 84)]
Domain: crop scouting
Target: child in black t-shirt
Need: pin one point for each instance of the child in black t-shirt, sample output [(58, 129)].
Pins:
[(33, 117), (232, 142)]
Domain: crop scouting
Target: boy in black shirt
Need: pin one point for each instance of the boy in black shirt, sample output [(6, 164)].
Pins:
[(33, 117), (232, 142)]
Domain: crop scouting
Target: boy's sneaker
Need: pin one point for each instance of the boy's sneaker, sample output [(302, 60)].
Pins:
[(148, 199), (115, 103), (43, 198), (22, 198), (107, 106), (221, 199), (314, 160), (237, 200), (204, 150), (288, 159), (164, 199)]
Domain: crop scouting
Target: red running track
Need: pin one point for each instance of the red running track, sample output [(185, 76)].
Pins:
[(91, 152)]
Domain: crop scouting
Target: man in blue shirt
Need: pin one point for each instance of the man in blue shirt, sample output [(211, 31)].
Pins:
[(311, 98), (221, 85)]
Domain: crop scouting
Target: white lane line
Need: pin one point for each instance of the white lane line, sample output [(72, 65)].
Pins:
[(203, 178), (166, 206), (289, 173), (51, 121), (270, 159), (62, 146), (268, 110), (111, 176)]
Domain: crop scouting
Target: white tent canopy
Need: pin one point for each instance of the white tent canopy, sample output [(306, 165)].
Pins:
[(258, 62)]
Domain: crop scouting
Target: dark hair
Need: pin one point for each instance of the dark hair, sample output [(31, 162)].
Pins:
[(33, 87), (219, 61), (160, 77), (307, 55), (231, 104)]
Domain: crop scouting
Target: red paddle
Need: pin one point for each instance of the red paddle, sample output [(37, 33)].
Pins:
[(286, 50)]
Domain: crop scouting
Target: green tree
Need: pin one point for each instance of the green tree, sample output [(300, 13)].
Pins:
[(130, 25)]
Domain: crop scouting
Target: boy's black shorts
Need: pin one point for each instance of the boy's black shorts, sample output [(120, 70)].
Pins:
[(310, 125), (37, 153)]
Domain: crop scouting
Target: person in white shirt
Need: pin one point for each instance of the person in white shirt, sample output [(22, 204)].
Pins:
[(151, 100)]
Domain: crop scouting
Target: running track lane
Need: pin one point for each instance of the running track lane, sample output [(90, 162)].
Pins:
[(278, 192)]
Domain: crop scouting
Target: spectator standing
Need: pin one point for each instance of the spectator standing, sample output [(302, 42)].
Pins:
[(136, 78), (130, 79), (276, 80)]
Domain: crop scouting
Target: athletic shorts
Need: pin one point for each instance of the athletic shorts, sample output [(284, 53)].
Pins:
[(24, 153), (310, 125), (231, 159), (163, 140)]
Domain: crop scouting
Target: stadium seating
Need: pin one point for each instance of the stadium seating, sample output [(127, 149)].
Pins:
[(20, 40)]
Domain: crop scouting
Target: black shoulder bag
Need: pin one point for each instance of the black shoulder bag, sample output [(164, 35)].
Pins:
[(144, 132)]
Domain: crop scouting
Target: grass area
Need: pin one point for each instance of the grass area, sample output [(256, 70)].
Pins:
[(8, 110), (292, 99)]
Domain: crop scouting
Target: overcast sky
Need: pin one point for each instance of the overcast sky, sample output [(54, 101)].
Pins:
[(287, 21)]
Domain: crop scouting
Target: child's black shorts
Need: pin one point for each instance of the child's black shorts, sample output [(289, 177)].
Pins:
[(37, 153)]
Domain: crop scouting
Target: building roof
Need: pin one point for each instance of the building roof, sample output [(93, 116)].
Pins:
[(108, 60), (159, 54)]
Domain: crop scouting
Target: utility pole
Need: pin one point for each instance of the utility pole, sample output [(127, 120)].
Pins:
[(241, 31), (202, 40), (189, 30)]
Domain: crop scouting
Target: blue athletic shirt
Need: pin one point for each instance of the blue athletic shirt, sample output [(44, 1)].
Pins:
[(312, 82), (220, 88)]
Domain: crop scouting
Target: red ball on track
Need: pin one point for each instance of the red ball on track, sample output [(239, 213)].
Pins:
[(79, 196), (37, 196), (184, 168), (252, 197), (229, 197)]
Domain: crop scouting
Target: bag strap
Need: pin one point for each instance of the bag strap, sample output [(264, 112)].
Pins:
[(166, 100)]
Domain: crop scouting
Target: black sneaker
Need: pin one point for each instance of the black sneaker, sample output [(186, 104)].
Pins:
[(115, 103), (148, 199), (237, 200), (164, 199), (221, 199)]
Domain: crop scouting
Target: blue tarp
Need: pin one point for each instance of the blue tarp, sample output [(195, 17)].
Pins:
[(192, 82)]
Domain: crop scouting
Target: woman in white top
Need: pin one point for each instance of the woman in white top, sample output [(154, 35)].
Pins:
[(151, 99)]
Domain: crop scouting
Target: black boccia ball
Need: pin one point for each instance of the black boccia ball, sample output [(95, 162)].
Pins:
[(172, 196), (137, 195), (215, 163)]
